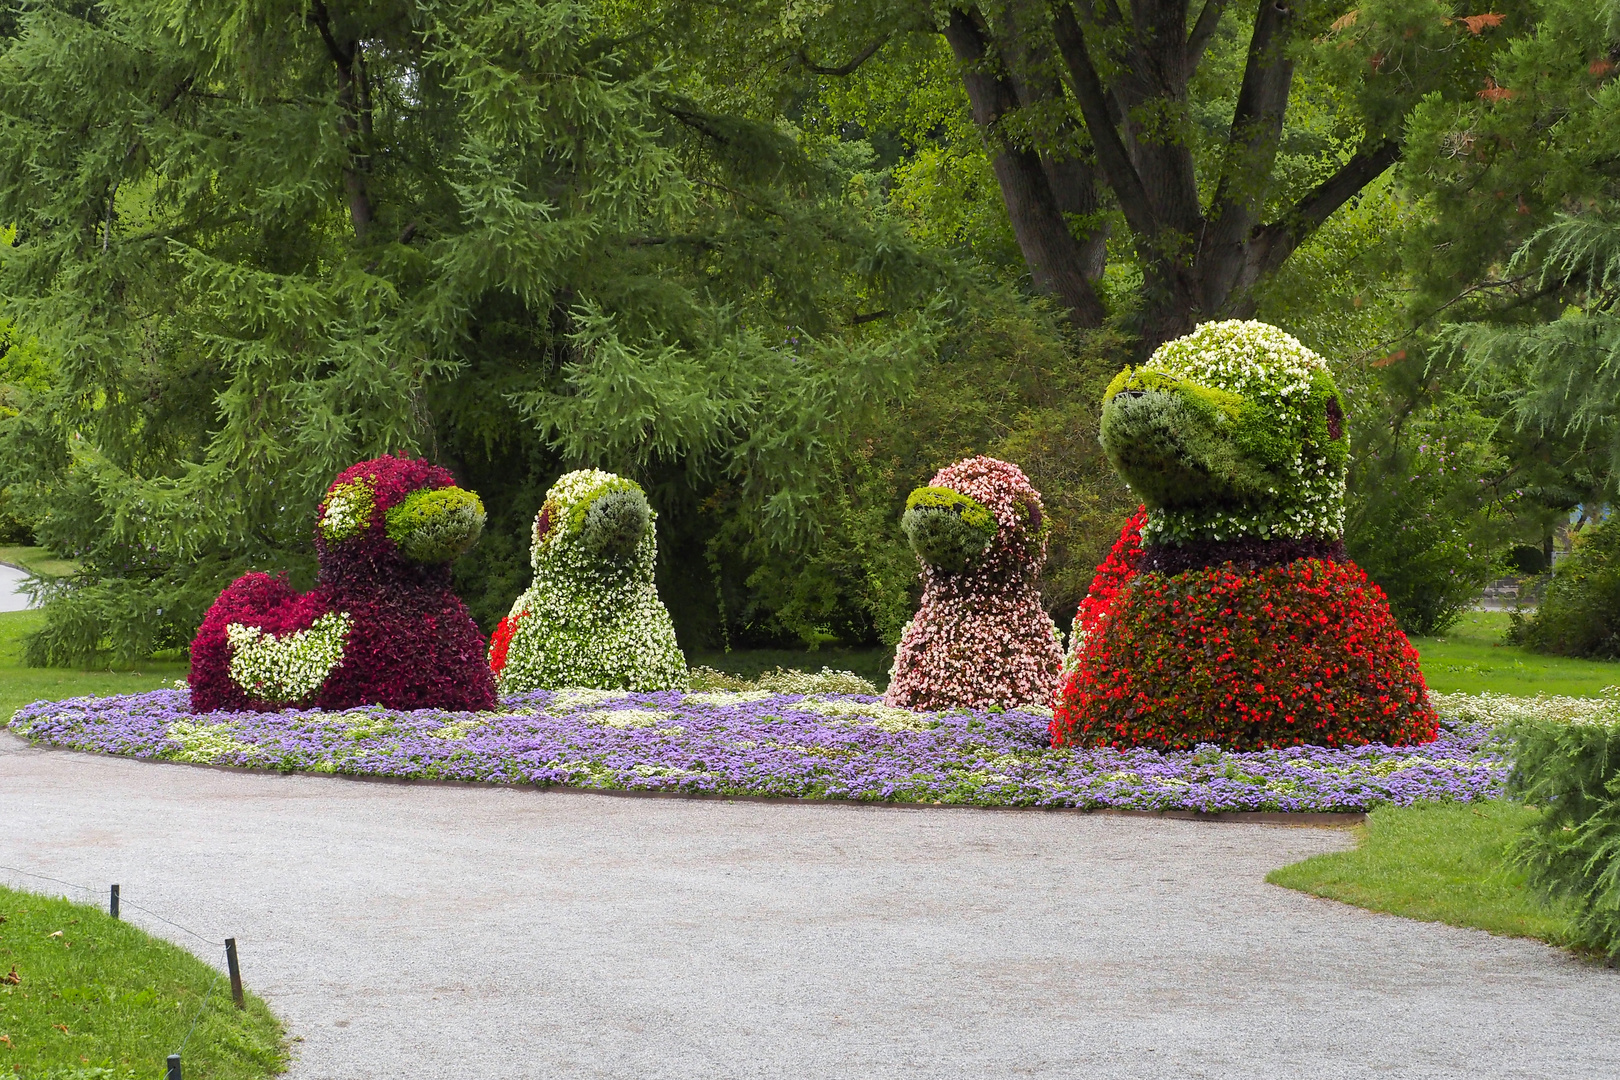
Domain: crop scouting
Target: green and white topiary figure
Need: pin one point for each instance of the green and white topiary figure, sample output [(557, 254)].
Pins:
[(592, 618)]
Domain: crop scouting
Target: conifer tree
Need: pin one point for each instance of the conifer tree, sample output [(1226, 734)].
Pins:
[(266, 238)]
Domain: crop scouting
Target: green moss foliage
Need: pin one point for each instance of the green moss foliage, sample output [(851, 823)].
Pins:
[(436, 526), (947, 529), (614, 523)]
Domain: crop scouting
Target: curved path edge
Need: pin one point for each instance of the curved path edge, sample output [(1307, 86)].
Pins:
[(1313, 819)]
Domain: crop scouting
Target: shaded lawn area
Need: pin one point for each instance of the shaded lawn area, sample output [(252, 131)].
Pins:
[(1437, 862), (750, 664), (1469, 659), (36, 559), (93, 993), (20, 684)]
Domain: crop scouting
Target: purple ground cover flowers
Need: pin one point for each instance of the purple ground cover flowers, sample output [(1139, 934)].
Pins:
[(758, 743)]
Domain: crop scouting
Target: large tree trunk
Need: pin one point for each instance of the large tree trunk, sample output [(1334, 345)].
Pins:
[(1128, 68), (354, 117), (1056, 260)]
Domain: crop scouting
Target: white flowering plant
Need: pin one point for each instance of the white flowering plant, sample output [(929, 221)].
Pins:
[(288, 668), (592, 617), (1233, 431)]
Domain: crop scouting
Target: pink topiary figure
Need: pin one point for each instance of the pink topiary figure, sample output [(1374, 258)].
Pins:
[(980, 637), (381, 628)]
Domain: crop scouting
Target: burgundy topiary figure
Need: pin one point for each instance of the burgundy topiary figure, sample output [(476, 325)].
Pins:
[(381, 628), (980, 637)]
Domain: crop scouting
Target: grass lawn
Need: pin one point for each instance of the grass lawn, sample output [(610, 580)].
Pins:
[(36, 558), (1469, 659), (1437, 862), (20, 684), (94, 993)]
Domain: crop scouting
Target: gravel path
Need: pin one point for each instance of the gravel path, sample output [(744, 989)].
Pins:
[(415, 930)]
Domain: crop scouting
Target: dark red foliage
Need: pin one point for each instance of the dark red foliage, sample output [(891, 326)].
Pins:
[(411, 644), (253, 600), (1245, 553), (1301, 653)]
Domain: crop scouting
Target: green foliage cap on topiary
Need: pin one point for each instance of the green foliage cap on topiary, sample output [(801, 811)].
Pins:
[(437, 525), (1235, 430), (947, 529), (614, 521)]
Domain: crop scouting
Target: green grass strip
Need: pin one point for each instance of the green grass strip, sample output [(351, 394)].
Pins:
[(98, 999), (1436, 862)]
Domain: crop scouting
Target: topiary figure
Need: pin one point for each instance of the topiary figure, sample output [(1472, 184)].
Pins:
[(980, 637), (381, 628), (1239, 621), (592, 618)]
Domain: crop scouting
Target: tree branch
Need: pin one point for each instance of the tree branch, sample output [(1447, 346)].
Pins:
[(1209, 18), (1279, 239), (845, 69), (1050, 250), (1251, 152), (1112, 157)]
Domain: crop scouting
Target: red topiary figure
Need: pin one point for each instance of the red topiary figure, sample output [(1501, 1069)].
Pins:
[(381, 628), (1229, 613), (980, 637)]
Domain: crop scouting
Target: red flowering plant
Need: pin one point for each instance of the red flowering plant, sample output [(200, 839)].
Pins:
[(1227, 612), (381, 628), (1304, 652), (1116, 569), (980, 637)]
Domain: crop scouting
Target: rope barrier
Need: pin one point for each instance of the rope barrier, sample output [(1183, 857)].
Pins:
[(122, 903), (173, 1065)]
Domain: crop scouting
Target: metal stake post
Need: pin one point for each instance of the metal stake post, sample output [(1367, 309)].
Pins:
[(174, 1068), (112, 905), (236, 972)]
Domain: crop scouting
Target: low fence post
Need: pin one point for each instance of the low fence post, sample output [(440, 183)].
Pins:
[(236, 972)]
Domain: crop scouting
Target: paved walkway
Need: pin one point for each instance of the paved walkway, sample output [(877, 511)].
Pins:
[(12, 598), (413, 930)]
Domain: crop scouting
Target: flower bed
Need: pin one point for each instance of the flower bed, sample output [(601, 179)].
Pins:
[(827, 746)]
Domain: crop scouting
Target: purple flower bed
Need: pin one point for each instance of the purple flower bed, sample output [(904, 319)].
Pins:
[(806, 746)]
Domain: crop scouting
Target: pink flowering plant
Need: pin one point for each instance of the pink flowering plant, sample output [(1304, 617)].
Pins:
[(980, 638)]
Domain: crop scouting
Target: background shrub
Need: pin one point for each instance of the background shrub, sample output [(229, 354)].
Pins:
[(1579, 613), (1419, 518)]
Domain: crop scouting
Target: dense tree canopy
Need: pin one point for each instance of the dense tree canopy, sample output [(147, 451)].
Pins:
[(778, 263), (267, 239)]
